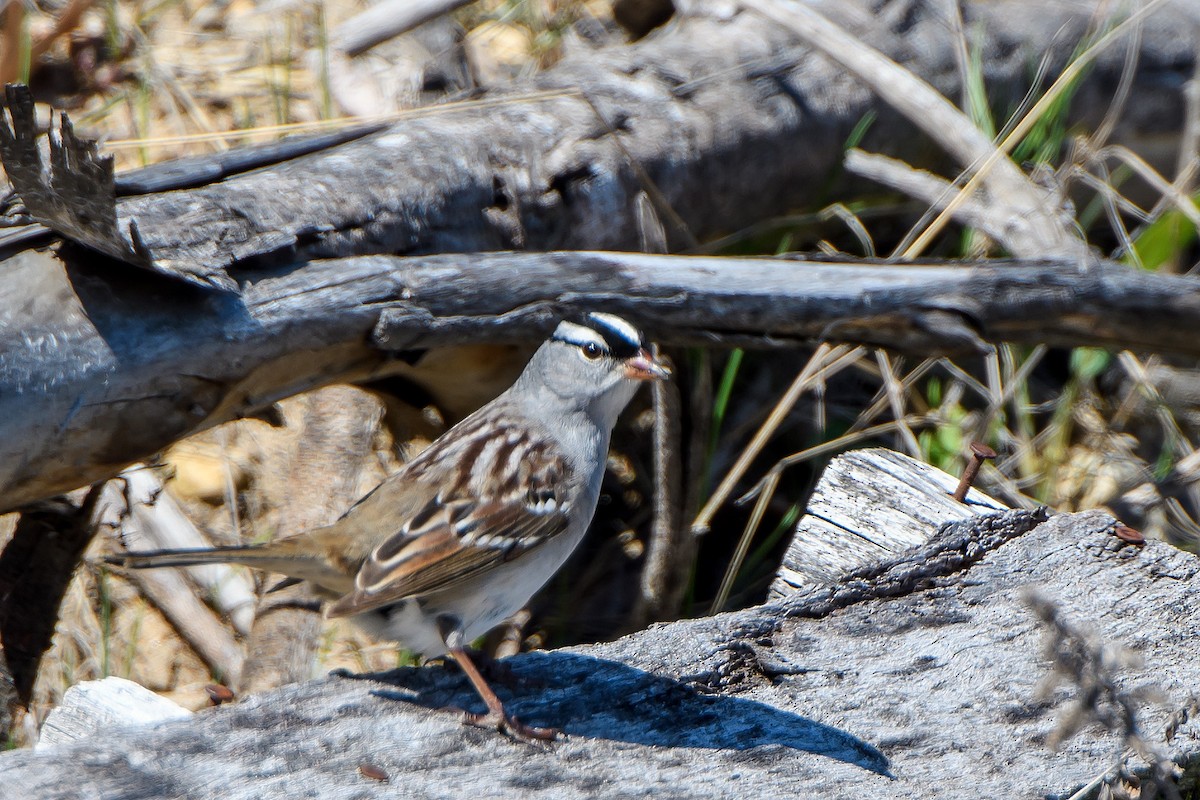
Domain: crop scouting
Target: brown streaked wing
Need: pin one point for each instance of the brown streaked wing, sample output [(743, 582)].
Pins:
[(450, 546)]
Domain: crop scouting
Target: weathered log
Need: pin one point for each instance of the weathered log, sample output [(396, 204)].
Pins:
[(914, 677), (870, 505), (721, 118), (98, 370)]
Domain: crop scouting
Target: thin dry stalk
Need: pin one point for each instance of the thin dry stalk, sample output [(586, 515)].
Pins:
[(1170, 191), (1113, 202), (882, 400), (833, 445), (894, 390), (1028, 217), (1093, 667), (743, 545), (670, 550), (1007, 393), (1117, 107), (827, 360), (1138, 372), (932, 189), (851, 220), (1022, 129)]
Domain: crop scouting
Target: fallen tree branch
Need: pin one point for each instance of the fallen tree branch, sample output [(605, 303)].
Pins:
[(100, 370), (929, 682), (1022, 210), (712, 100)]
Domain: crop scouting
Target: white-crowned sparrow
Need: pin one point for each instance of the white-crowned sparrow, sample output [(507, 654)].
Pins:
[(460, 538)]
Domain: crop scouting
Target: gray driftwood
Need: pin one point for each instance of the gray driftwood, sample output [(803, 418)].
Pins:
[(100, 370), (870, 505), (912, 677), (721, 117)]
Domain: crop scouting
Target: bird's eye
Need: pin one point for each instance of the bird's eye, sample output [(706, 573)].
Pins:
[(591, 351)]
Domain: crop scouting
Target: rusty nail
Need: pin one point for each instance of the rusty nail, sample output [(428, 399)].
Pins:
[(1128, 534), (980, 452)]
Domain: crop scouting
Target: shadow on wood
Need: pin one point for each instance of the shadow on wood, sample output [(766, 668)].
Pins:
[(598, 698)]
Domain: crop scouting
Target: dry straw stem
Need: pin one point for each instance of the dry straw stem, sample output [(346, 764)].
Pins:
[(670, 550), (1022, 129), (925, 186), (882, 400), (1171, 192), (1138, 373), (833, 445), (743, 545), (339, 122), (765, 489), (894, 391), (1025, 210), (169, 591), (826, 361)]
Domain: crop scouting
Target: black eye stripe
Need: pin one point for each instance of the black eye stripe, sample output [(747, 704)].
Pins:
[(623, 340), (612, 335)]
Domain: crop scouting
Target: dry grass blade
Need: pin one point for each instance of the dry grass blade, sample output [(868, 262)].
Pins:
[(833, 445), (1138, 373), (932, 189), (743, 545), (1171, 192), (826, 361), (1008, 391), (1029, 220), (882, 400), (1022, 129), (851, 220), (895, 390), (1114, 203)]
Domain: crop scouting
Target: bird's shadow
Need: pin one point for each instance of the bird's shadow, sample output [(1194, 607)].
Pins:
[(590, 697)]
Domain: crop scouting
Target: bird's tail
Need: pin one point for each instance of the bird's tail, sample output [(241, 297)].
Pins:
[(285, 556), (249, 555)]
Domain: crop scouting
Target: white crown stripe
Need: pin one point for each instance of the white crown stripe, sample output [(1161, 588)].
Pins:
[(619, 327), (578, 335)]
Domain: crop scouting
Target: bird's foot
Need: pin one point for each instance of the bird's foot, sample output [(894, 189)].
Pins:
[(498, 671), (506, 723)]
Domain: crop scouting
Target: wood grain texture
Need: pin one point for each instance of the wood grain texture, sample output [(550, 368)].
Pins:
[(868, 506), (917, 680), (101, 368), (723, 118)]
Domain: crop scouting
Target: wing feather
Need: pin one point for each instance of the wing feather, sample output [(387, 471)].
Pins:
[(508, 500)]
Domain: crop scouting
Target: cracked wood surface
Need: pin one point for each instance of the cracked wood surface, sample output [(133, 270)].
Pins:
[(869, 505), (99, 369), (922, 684)]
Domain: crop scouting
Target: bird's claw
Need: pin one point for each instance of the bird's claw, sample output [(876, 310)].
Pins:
[(506, 723)]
